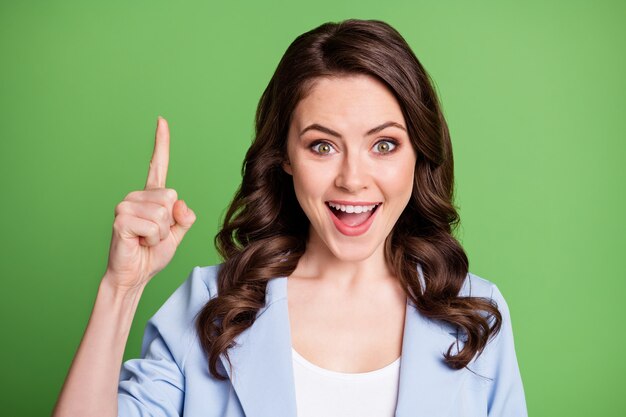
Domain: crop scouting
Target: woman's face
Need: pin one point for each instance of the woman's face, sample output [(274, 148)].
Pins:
[(352, 163)]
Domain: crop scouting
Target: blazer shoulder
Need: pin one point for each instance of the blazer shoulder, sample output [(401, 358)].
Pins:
[(498, 361), (476, 286), (175, 319), (208, 276), (190, 296)]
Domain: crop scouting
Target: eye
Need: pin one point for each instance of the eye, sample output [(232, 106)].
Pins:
[(322, 148), (385, 146)]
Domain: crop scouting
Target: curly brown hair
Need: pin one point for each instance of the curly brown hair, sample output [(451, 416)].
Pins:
[(265, 231)]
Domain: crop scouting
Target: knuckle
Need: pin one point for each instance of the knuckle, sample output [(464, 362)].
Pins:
[(162, 213), (171, 194), (154, 229), (130, 196), (121, 207), (118, 223)]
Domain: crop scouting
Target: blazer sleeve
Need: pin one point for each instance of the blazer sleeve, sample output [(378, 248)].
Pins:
[(506, 395), (154, 385)]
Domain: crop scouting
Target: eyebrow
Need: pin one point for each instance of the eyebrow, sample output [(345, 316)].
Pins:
[(316, 126)]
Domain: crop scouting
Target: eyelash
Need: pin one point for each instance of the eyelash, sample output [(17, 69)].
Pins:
[(316, 143)]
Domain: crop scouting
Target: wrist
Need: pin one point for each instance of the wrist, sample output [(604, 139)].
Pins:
[(119, 292)]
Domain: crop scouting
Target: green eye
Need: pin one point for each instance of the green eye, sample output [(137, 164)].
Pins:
[(322, 148), (385, 146)]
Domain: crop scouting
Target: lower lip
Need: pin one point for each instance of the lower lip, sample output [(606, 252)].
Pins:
[(350, 230)]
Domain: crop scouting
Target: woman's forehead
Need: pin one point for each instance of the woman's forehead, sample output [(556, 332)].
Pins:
[(346, 102)]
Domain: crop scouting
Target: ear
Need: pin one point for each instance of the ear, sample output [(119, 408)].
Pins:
[(287, 167)]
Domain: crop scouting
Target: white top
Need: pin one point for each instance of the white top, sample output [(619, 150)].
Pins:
[(322, 392)]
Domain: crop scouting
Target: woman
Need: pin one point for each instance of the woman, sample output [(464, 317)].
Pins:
[(342, 292)]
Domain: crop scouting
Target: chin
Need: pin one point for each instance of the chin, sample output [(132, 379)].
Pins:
[(327, 239), (352, 253)]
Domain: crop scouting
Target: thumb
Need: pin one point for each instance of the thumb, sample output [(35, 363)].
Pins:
[(184, 218)]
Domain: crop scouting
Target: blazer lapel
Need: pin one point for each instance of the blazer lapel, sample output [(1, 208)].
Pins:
[(428, 387), (262, 374)]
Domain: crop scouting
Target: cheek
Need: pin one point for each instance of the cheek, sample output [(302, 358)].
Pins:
[(310, 182), (399, 178)]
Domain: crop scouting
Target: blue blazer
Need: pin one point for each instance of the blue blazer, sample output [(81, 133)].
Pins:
[(172, 379)]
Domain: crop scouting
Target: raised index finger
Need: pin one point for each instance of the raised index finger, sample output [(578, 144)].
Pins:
[(160, 156)]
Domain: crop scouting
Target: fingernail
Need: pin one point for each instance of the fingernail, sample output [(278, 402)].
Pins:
[(185, 207)]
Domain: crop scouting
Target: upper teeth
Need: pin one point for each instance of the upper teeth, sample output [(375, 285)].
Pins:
[(352, 209)]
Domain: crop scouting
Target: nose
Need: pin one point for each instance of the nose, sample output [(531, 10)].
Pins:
[(353, 174)]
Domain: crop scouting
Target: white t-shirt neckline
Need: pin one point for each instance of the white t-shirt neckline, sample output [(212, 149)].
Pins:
[(384, 371)]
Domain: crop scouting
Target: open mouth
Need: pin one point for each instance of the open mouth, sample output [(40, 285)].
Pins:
[(352, 215)]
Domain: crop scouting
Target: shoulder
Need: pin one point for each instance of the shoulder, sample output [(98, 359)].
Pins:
[(174, 321), (476, 286), (190, 296), (498, 361)]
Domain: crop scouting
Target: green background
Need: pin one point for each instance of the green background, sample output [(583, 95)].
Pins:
[(533, 91)]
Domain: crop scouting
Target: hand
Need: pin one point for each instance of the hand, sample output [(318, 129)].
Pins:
[(149, 224)]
